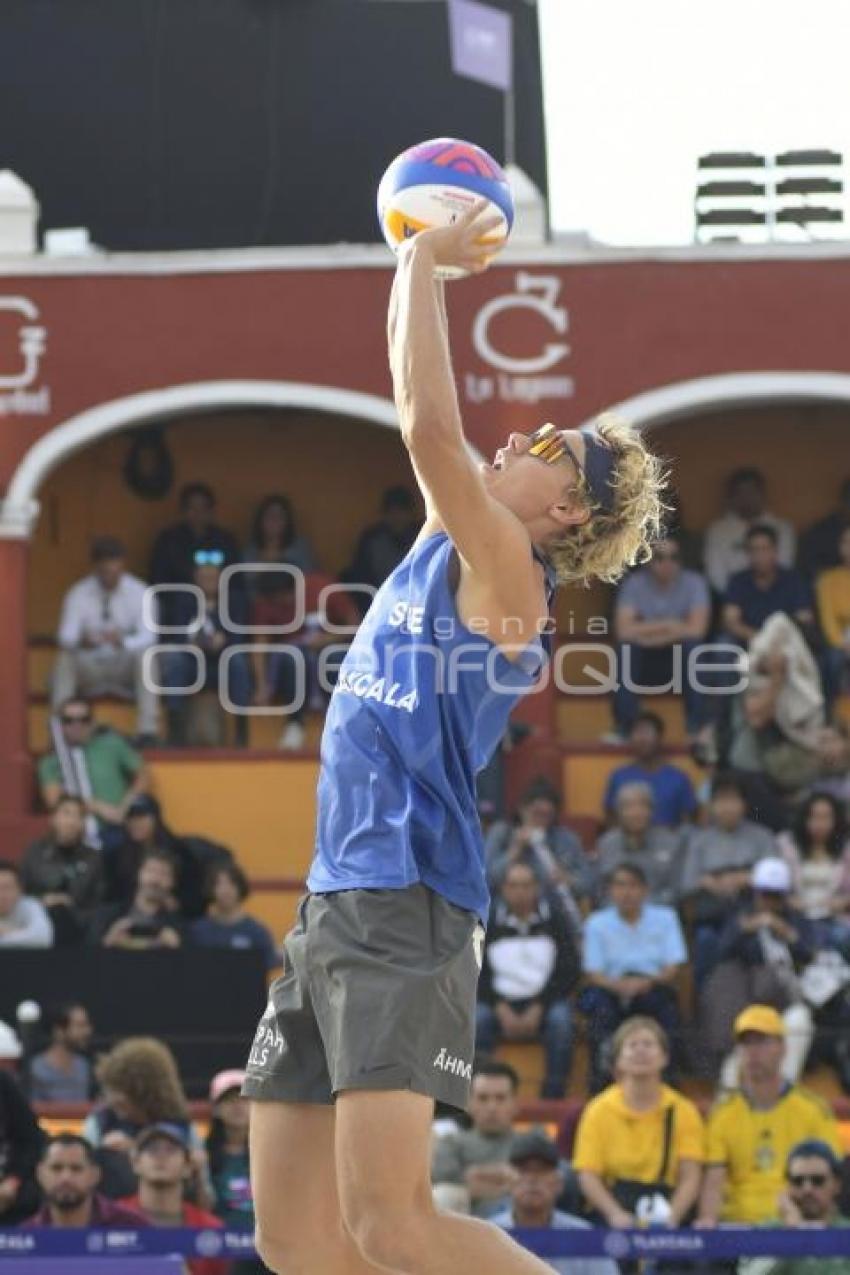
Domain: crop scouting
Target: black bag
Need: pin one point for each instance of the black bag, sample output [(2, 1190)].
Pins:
[(627, 1192)]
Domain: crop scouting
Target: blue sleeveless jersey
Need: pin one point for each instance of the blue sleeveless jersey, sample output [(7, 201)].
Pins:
[(419, 708)]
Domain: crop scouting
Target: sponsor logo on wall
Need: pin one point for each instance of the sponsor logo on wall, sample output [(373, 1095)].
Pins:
[(517, 374), (23, 341)]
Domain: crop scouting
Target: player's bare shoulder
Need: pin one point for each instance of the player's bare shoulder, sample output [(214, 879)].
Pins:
[(509, 606)]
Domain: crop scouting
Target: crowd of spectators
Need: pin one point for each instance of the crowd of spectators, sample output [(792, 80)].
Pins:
[(684, 909), (106, 626), (724, 904), (138, 1159), (109, 871), (767, 1152), (742, 580)]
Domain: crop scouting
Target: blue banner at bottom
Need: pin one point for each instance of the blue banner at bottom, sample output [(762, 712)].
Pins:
[(98, 1266), (656, 1243)]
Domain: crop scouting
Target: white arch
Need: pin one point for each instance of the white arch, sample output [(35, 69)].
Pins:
[(19, 510), (731, 389)]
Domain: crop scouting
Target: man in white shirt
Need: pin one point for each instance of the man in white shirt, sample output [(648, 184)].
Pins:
[(103, 637), (726, 539), (23, 921)]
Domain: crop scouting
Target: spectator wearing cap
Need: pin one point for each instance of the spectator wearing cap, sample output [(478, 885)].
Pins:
[(382, 545), (640, 1138), (726, 537), (227, 1150), (69, 1175), (660, 608), (141, 1086), (674, 799), (64, 871), (717, 865), (529, 968), (63, 1071), (103, 636), (226, 923), (753, 1129), (173, 560), (632, 953), (95, 763), (760, 953), (535, 1190), (163, 1165), (470, 1170), (23, 921), (634, 839)]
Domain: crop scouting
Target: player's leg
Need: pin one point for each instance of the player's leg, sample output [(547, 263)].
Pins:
[(383, 1141), (299, 1226), (299, 1223)]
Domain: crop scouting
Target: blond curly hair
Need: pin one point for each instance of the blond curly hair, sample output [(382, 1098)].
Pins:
[(608, 542), (145, 1071)]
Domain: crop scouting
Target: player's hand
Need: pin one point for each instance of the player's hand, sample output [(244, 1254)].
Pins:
[(462, 245)]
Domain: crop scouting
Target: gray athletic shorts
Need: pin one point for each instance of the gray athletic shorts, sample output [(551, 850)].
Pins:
[(377, 992)]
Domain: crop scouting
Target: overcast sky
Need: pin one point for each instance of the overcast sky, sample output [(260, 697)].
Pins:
[(635, 90)]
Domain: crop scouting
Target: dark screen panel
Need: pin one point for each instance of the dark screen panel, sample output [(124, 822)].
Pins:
[(166, 124)]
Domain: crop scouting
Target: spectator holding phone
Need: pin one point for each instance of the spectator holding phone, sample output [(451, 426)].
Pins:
[(152, 920)]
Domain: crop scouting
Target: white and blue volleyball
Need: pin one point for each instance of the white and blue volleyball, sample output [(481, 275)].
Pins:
[(435, 182)]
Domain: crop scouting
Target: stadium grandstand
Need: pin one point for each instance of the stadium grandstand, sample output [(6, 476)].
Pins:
[(203, 482)]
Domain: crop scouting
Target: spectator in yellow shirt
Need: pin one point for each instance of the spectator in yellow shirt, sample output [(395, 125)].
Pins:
[(639, 1137), (752, 1130), (833, 595)]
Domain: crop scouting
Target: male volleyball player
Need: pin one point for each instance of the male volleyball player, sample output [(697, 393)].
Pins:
[(373, 1017)]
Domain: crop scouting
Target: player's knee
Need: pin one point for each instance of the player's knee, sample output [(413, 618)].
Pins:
[(303, 1250), (283, 1250), (388, 1239)]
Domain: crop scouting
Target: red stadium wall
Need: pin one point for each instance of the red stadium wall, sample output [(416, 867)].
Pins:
[(543, 339)]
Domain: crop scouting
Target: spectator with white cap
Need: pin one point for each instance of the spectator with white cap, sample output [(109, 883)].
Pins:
[(536, 1187), (761, 952)]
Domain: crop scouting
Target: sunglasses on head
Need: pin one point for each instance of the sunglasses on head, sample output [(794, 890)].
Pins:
[(208, 558), (73, 719), (813, 1179)]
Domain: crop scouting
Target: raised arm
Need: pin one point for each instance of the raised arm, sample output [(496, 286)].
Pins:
[(488, 537)]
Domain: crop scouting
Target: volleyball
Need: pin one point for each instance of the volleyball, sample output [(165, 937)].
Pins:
[(436, 181)]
